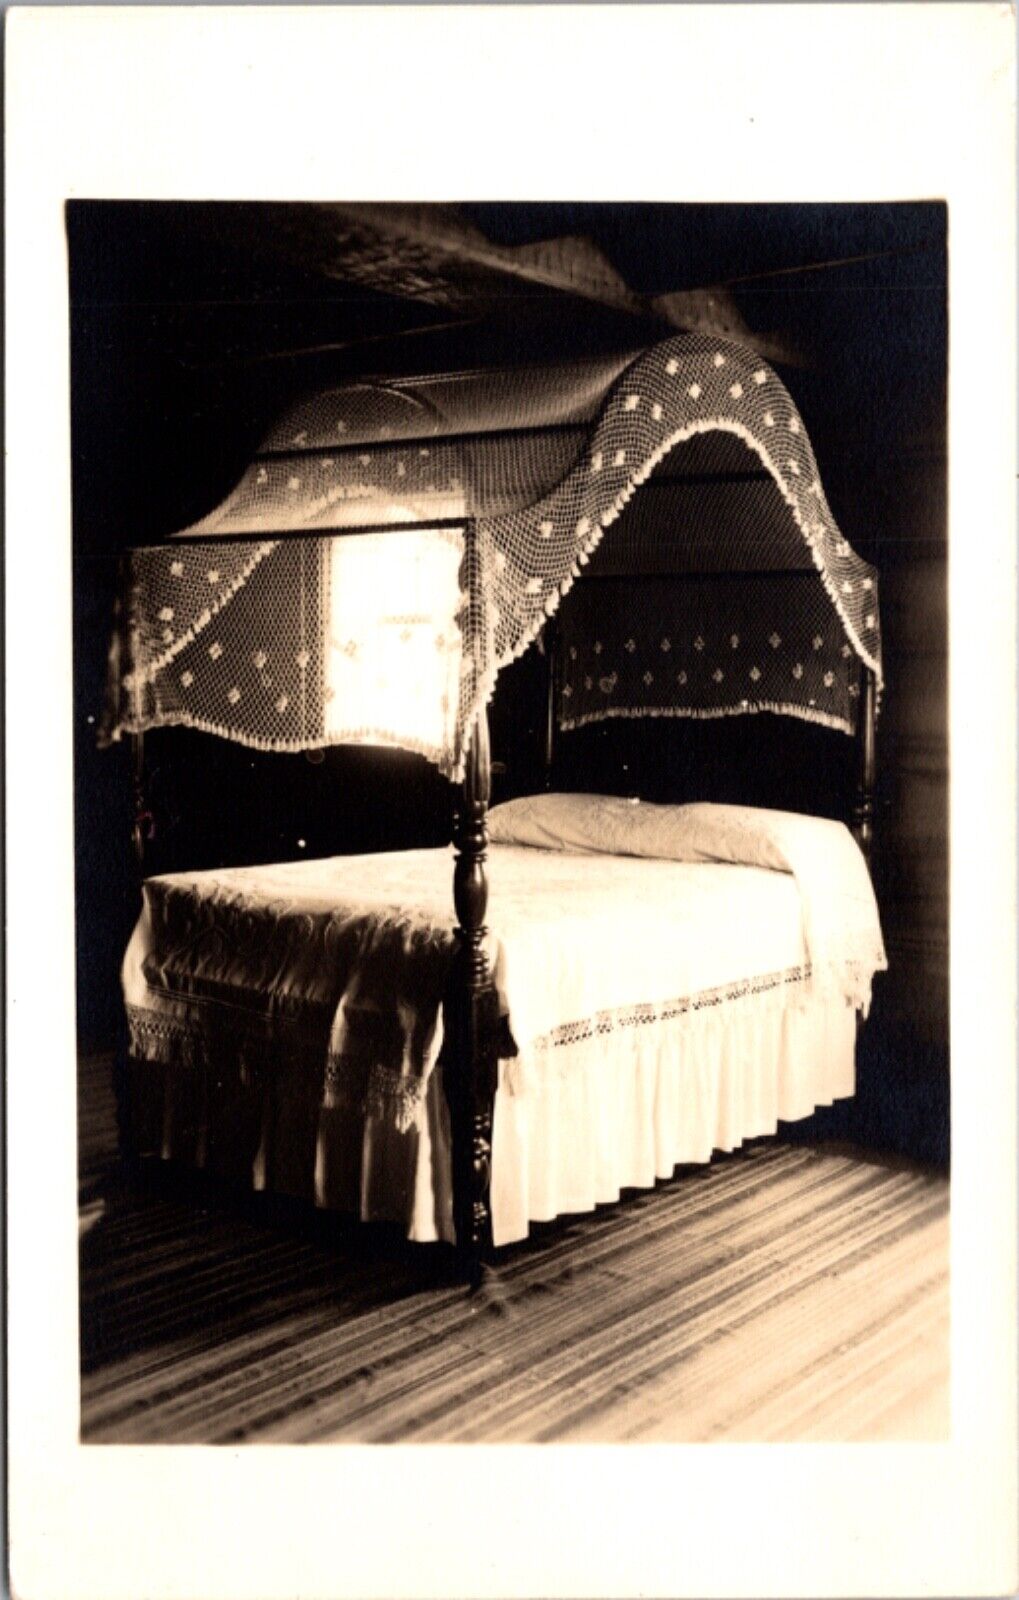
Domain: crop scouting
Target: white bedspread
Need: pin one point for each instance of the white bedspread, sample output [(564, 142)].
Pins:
[(358, 948)]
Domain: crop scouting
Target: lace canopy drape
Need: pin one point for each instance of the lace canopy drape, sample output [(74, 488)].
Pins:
[(269, 624)]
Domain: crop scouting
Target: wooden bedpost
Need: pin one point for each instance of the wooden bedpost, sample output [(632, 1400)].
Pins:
[(142, 818), (127, 1142), (863, 805), (471, 1067), (551, 709)]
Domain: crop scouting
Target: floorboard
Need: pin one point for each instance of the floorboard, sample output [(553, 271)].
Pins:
[(782, 1293)]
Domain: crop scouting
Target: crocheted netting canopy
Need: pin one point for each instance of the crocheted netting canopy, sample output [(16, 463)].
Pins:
[(393, 546)]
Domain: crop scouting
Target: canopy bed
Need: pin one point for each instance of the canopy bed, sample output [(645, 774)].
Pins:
[(659, 980)]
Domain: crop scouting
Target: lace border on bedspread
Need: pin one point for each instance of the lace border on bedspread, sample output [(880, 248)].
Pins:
[(165, 1041), (376, 1091), (765, 995), (606, 1022), (383, 1092)]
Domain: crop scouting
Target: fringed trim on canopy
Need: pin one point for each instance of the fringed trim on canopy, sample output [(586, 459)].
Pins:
[(823, 719)]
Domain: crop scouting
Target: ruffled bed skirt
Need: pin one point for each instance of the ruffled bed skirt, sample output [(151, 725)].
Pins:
[(575, 1124)]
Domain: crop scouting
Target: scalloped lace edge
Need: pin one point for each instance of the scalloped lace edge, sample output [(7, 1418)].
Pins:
[(825, 719), (355, 736)]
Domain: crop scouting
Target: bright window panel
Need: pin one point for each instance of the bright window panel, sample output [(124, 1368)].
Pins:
[(392, 671)]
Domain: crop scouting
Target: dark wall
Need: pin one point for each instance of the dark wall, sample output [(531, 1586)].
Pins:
[(171, 317)]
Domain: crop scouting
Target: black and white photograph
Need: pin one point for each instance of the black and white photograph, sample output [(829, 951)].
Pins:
[(511, 821), (510, 727)]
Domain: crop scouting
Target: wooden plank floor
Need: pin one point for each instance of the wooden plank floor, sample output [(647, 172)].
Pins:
[(783, 1293)]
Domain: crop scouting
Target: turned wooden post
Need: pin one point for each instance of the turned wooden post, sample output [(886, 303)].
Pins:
[(470, 1068), (142, 815), (472, 1010), (551, 707), (863, 805), (127, 1140)]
